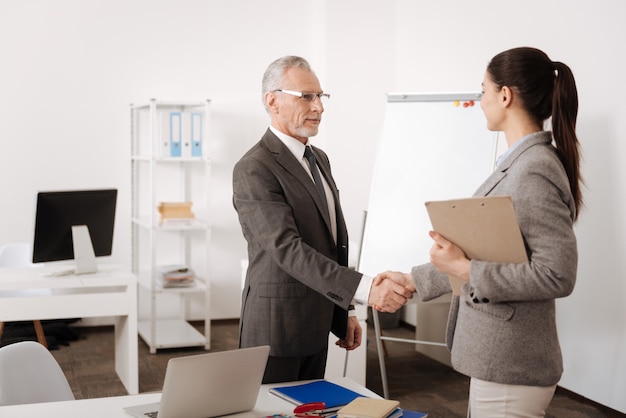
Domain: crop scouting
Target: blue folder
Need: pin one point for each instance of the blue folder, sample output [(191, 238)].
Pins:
[(333, 395)]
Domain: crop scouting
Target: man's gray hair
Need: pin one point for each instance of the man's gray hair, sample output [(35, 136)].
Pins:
[(273, 77)]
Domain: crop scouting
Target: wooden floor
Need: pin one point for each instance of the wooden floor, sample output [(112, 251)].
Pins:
[(418, 382)]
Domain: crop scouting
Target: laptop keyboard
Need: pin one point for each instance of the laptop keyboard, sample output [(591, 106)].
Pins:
[(151, 414)]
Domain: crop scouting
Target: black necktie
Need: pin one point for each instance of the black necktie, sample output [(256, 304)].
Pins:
[(316, 174)]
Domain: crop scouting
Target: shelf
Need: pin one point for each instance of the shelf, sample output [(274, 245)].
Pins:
[(170, 163), (144, 280), (170, 160), (169, 104), (171, 333), (194, 225)]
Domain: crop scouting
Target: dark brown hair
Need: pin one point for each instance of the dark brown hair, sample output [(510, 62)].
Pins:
[(547, 89)]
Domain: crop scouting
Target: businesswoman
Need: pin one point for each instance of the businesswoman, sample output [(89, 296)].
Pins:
[(502, 329)]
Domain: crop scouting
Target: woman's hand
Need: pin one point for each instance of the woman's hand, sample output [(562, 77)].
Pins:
[(448, 258)]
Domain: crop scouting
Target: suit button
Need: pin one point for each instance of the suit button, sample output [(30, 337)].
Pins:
[(334, 296), (485, 300), (475, 300)]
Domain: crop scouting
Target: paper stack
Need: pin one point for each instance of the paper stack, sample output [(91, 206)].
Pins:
[(176, 276)]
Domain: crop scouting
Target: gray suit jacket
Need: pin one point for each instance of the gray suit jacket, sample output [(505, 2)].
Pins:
[(503, 328), (297, 286)]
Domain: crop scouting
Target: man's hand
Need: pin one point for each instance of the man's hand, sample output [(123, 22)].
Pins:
[(387, 295), (403, 279), (354, 335)]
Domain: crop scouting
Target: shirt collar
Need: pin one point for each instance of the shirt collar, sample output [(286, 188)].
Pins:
[(296, 147), (510, 150)]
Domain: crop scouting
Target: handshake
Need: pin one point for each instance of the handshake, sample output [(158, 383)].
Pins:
[(390, 291)]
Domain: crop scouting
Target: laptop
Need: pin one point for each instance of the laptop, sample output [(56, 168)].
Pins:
[(208, 385)]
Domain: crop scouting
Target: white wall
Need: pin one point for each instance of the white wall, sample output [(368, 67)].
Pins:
[(446, 46), (70, 68)]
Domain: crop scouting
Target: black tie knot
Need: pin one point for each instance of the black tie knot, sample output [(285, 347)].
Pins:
[(308, 154)]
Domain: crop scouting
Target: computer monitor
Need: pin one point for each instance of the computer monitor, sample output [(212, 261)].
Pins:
[(75, 224)]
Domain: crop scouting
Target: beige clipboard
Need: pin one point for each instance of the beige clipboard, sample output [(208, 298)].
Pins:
[(485, 228)]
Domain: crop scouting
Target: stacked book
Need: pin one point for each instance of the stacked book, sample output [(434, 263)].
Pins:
[(176, 276), (371, 408), (176, 213), (377, 408)]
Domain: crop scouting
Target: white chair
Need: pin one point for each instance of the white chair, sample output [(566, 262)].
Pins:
[(18, 254), (30, 374), (15, 254)]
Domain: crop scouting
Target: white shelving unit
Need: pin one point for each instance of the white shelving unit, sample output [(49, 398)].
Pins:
[(170, 163)]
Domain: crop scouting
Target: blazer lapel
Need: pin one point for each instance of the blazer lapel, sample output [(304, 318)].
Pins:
[(500, 172), (491, 182), (285, 158)]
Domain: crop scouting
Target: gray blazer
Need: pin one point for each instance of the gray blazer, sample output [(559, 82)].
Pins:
[(297, 288), (503, 328)]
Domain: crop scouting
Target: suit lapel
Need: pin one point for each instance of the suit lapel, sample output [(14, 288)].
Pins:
[(491, 182), (500, 173), (285, 158)]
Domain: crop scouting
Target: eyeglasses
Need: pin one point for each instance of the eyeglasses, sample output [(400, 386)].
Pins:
[(308, 97)]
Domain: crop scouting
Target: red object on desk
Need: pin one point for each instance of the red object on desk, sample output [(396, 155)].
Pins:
[(311, 409)]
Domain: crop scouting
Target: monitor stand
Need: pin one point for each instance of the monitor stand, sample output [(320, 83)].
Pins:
[(84, 255)]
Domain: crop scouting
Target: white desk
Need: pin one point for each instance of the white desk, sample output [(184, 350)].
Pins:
[(266, 404), (28, 294)]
